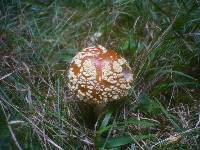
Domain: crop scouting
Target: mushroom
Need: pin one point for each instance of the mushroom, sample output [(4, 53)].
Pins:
[(97, 75)]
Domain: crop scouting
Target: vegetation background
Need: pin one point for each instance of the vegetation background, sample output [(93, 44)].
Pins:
[(160, 39)]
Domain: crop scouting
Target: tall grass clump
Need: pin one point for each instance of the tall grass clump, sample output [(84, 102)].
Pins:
[(159, 38)]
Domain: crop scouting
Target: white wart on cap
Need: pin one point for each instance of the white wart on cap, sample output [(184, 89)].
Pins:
[(98, 75)]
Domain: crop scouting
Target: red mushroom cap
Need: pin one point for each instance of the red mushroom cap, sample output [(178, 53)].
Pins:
[(98, 75)]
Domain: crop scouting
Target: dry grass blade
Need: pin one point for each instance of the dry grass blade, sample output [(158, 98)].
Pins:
[(5, 76), (34, 126), (10, 128)]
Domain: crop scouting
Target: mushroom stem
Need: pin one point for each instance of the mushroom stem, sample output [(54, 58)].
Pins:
[(99, 109)]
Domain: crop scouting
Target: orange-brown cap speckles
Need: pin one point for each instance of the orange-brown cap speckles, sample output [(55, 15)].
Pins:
[(98, 75)]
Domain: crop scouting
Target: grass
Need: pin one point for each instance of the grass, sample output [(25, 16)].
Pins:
[(160, 39)]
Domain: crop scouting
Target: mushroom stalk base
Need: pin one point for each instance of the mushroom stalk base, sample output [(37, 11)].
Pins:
[(99, 109)]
